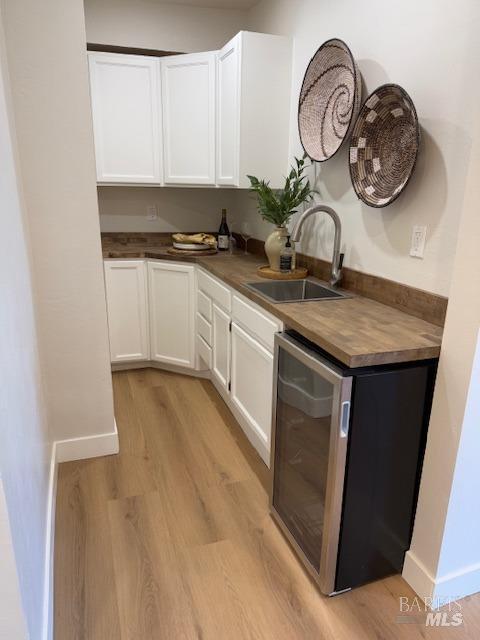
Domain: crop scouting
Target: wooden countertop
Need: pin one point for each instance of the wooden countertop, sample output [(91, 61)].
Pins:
[(357, 331)]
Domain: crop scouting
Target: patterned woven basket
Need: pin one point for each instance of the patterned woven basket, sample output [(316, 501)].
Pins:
[(384, 146), (329, 100)]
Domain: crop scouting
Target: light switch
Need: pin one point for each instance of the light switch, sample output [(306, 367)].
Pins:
[(417, 247)]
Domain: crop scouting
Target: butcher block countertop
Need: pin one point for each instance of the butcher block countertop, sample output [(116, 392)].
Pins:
[(356, 330)]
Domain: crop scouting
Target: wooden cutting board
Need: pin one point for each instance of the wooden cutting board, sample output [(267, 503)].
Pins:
[(297, 274)]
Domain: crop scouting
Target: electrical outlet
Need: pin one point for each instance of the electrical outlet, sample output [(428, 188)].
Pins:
[(152, 213), (417, 248)]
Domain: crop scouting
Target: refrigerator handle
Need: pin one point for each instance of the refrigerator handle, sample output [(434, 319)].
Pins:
[(345, 419)]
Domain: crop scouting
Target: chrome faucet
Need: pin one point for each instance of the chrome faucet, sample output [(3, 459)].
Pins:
[(337, 258)]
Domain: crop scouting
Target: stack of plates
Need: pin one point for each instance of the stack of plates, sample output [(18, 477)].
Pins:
[(186, 246)]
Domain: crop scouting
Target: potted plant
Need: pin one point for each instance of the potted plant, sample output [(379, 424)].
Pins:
[(278, 205)]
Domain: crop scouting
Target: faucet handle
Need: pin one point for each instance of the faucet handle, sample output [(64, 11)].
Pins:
[(340, 261)]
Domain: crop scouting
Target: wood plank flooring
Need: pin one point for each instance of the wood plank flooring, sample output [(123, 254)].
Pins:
[(172, 538)]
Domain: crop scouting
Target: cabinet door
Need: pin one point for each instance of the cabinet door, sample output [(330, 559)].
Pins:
[(172, 313), (228, 112), (252, 386), (126, 291), (266, 88), (125, 94), (221, 347), (188, 85)]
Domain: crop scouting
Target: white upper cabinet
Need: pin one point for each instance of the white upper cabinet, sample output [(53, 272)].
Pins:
[(188, 85), (254, 83), (197, 119), (228, 112), (125, 94)]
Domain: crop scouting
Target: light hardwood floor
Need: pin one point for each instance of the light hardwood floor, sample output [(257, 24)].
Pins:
[(172, 538)]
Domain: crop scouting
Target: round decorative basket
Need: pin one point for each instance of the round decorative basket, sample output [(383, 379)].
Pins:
[(384, 146), (329, 100)]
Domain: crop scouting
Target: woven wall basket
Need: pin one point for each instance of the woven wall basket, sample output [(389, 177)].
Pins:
[(384, 146), (329, 100)]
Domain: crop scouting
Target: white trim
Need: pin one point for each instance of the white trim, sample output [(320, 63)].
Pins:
[(460, 583), (48, 595), (162, 366), (102, 444), (63, 451), (455, 585), (417, 576)]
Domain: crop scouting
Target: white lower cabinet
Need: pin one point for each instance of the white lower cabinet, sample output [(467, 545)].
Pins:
[(241, 340), (187, 318), (126, 292), (172, 313), (221, 347), (251, 387)]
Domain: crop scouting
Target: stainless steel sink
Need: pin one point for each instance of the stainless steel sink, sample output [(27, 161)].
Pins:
[(294, 290)]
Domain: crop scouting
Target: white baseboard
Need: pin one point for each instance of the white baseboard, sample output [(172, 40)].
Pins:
[(417, 576), (47, 632), (127, 366), (451, 586), (162, 366), (174, 368), (103, 444)]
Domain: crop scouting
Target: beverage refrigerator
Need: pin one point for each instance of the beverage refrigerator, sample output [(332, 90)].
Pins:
[(346, 457)]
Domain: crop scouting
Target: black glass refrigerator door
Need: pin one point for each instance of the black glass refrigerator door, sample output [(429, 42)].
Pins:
[(310, 432)]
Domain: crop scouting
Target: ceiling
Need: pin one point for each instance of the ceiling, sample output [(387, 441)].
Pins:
[(217, 4)]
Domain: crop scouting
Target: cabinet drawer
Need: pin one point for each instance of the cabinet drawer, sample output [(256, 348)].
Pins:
[(259, 323), (204, 351), (204, 329), (215, 290), (204, 305)]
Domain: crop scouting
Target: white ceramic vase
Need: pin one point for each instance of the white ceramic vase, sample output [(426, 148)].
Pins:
[(273, 246)]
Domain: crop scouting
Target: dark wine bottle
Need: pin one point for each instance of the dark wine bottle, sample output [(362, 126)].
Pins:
[(223, 233)]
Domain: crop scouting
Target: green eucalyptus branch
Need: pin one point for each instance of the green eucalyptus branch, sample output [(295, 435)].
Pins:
[(278, 205)]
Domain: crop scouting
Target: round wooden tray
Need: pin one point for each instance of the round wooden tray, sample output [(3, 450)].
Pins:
[(297, 274), (182, 252)]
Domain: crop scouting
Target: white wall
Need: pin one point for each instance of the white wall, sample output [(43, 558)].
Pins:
[(460, 548), (12, 620), (153, 24), (432, 49), (25, 441), (125, 208), (444, 559), (48, 69)]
